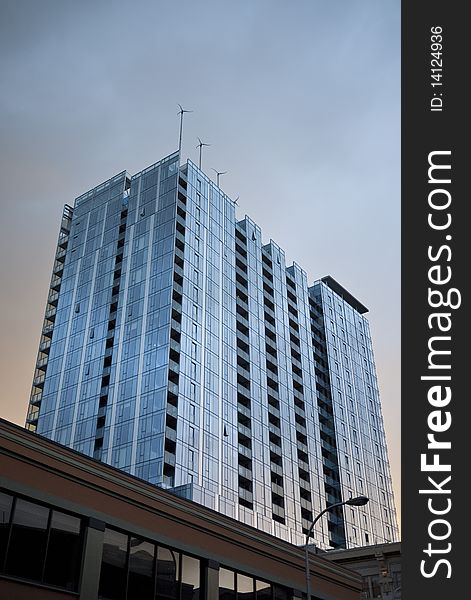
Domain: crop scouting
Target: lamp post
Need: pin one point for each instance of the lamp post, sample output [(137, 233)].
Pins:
[(358, 501)]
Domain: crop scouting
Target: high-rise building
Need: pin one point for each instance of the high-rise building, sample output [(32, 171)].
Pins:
[(179, 347)]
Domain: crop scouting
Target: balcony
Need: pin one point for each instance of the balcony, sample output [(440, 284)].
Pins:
[(305, 484), (242, 320), (42, 363), (270, 328), (38, 381), (170, 434), (169, 458), (327, 430), (244, 372), (45, 345), (301, 429), (31, 422), (51, 313), (179, 253), (303, 465), (246, 473), (247, 452), (173, 388), (174, 366), (244, 410), (172, 410), (176, 326), (243, 335), (279, 511), (36, 398), (302, 446), (63, 241), (178, 288), (243, 354), (277, 489), (242, 277), (306, 504), (58, 268), (53, 298), (269, 312), (60, 254), (56, 283), (246, 495), (243, 390), (180, 236), (181, 220), (244, 430), (330, 464)]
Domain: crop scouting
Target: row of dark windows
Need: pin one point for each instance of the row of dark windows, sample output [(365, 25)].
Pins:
[(101, 417), (301, 437), (328, 442), (244, 403), (276, 475), (39, 543), (174, 352), (134, 568), (237, 586)]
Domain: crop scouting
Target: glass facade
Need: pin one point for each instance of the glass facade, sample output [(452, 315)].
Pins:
[(183, 350)]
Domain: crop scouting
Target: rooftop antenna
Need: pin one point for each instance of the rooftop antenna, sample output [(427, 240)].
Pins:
[(218, 173), (200, 146), (181, 113), (234, 202)]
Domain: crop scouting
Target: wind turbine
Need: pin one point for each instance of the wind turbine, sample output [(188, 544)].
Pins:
[(218, 173), (200, 146), (181, 113)]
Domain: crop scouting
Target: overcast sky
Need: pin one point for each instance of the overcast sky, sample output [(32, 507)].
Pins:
[(300, 101)]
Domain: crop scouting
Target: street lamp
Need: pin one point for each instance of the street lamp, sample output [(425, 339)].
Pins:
[(358, 501)]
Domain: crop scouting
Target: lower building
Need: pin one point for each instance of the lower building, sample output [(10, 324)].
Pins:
[(379, 565), (74, 527)]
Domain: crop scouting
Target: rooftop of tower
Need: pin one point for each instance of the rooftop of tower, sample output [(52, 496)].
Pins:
[(328, 279), (343, 293)]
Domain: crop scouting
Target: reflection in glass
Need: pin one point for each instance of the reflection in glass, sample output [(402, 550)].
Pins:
[(280, 593), (226, 584), (28, 540), (5, 513), (167, 573), (190, 578), (113, 566), (141, 570), (63, 551), (263, 590), (244, 587)]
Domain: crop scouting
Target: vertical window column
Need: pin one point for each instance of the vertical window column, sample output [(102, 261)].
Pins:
[(244, 424), (326, 424), (299, 407), (175, 338), (271, 362), (110, 337)]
